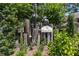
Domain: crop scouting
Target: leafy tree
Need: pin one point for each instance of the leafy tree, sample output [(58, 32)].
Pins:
[(55, 13), (11, 17), (7, 25)]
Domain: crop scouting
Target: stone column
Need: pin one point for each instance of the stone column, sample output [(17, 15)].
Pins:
[(51, 36), (25, 38), (27, 31), (38, 41), (44, 35), (44, 38), (34, 35), (21, 41), (52, 33), (27, 26), (48, 37), (38, 36)]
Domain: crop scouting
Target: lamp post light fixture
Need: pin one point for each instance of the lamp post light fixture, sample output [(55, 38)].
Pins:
[(45, 20)]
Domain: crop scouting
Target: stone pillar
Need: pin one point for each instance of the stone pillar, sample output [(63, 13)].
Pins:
[(38, 41), (27, 31), (34, 35), (44, 37), (52, 33), (48, 37), (38, 36), (51, 36), (25, 38), (27, 26), (21, 41)]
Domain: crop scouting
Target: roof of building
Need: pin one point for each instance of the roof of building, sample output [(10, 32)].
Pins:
[(46, 29)]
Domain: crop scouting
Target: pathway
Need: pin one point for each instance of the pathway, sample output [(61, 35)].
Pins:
[(31, 52), (45, 51)]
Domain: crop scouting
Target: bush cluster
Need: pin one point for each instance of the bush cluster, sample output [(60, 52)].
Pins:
[(64, 45)]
